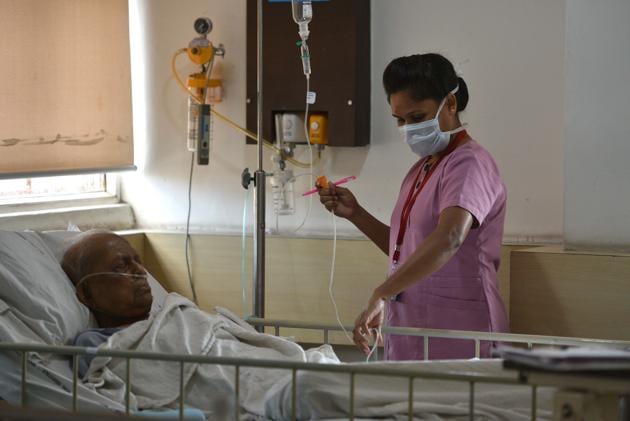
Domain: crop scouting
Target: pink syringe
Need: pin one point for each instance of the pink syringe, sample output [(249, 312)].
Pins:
[(336, 183)]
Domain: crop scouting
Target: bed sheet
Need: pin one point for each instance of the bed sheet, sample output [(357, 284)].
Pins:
[(181, 328), (49, 385), (266, 393), (326, 395)]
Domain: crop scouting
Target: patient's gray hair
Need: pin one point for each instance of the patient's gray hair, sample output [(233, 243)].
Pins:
[(78, 253)]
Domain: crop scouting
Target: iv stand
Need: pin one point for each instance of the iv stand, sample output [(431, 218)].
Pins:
[(258, 291)]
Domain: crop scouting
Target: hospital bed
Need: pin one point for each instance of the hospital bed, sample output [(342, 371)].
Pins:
[(473, 374), (36, 374)]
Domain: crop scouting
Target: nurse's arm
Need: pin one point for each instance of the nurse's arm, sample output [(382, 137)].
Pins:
[(342, 202), (437, 249), (374, 229)]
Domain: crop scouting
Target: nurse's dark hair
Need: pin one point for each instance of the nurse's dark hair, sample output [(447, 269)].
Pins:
[(424, 76)]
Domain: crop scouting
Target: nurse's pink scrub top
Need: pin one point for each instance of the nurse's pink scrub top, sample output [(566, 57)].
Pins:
[(464, 293)]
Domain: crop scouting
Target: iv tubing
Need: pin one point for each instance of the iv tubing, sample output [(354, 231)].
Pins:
[(226, 119), (332, 276), (310, 152), (377, 332)]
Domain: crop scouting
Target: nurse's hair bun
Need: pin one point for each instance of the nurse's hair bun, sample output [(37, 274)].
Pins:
[(461, 95), (424, 76)]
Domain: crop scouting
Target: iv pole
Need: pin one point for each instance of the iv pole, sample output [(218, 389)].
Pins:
[(258, 291)]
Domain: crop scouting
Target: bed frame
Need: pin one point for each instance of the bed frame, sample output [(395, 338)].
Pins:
[(606, 390)]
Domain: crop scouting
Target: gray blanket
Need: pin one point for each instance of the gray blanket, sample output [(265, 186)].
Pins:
[(266, 393), (181, 328), (323, 395)]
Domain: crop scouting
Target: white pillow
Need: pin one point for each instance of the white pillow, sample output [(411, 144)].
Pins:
[(37, 291), (59, 241)]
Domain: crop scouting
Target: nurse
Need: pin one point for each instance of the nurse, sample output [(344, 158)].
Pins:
[(444, 237)]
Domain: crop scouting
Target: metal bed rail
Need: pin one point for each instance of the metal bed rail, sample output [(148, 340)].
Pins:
[(477, 337), (409, 372)]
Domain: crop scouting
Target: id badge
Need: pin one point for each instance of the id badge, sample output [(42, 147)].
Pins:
[(393, 268)]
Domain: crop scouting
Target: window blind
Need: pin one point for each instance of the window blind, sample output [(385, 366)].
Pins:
[(65, 87)]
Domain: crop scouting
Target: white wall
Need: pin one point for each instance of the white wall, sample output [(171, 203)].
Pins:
[(510, 55), (158, 191), (597, 146)]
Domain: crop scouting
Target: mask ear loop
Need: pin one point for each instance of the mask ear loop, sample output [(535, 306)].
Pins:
[(454, 91), (428, 123), (457, 129)]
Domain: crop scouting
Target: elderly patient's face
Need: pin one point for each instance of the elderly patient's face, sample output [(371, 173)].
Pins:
[(119, 296)]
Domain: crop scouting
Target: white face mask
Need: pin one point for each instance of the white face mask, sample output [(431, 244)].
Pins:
[(426, 138)]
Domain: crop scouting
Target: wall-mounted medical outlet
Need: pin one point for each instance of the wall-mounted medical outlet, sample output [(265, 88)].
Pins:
[(289, 128)]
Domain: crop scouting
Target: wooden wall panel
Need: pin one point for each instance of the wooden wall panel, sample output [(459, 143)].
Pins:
[(546, 290), (137, 241), (297, 277), (298, 273), (556, 292), (504, 272)]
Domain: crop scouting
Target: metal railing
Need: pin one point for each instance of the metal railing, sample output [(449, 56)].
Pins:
[(426, 334), (410, 372)]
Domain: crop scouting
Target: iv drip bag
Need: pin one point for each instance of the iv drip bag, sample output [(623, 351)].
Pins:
[(302, 11), (302, 15)]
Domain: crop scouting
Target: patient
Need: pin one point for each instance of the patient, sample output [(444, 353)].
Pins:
[(110, 281)]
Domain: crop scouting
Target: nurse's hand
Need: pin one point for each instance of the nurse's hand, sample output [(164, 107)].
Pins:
[(339, 200), (371, 318)]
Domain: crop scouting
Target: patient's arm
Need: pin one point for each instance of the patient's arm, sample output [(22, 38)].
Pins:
[(92, 338)]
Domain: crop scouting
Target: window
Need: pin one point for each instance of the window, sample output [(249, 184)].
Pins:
[(22, 189), (63, 202), (65, 88), (65, 105)]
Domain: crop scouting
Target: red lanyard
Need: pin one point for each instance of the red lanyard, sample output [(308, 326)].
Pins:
[(417, 188)]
